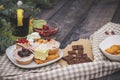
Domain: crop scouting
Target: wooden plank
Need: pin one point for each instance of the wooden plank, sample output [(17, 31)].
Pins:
[(116, 17), (98, 15), (69, 16), (46, 14)]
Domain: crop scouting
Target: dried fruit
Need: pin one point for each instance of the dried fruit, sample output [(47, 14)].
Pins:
[(112, 32), (106, 33), (46, 31)]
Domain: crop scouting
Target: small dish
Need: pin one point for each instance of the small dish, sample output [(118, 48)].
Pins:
[(107, 43), (9, 52)]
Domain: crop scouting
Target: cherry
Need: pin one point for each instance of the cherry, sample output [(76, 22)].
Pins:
[(48, 39), (112, 32), (45, 27), (22, 40)]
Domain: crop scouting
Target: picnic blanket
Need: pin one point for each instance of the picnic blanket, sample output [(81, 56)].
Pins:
[(101, 66)]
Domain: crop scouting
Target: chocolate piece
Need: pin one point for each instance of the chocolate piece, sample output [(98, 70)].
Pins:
[(87, 59), (80, 47), (75, 47), (71, 52), (85, 55), (68, 57), (82, 60), (71, 62), (80, 51), (77, 61), (76, 55), (79, 55)]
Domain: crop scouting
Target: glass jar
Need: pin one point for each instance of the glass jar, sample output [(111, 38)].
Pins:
[(20, 30)]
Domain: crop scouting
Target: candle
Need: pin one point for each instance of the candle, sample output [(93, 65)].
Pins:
[(20, 17)]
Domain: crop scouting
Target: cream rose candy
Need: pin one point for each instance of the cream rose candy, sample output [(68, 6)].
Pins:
[(33, 36)]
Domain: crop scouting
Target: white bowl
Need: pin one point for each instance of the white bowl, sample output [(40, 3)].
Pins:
[(107, 43)]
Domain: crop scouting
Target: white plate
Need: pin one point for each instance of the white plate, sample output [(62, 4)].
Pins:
[(107, 43), (9, 52)]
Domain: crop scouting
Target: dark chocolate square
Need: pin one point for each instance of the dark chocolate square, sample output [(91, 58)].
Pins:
[(79, 55), (68, 57), (75, 47), (80, 47), (82, 60), (85, 55), (71, 52), (77, 61), (71, 62), (80, 51)]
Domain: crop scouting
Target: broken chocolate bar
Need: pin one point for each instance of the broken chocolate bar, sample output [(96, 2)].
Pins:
[(76, 55)]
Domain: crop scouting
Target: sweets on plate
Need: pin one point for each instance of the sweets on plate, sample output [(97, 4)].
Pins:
[(43, 50), (23, 56), (53, 46), (46, 51), (114, 49)]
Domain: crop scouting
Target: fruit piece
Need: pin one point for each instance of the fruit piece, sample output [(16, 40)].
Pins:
[(36, 30), (46, 31), (106, 33), (24, 53), (112, 32), (22, 40), (48, 39)]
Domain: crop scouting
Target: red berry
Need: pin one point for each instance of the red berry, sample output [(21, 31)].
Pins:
[(48, 39), (44, 27), (106, 33), (22, 40), (112, 32)]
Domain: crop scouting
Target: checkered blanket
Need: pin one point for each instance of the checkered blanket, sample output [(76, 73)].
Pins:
[(101, 66)]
